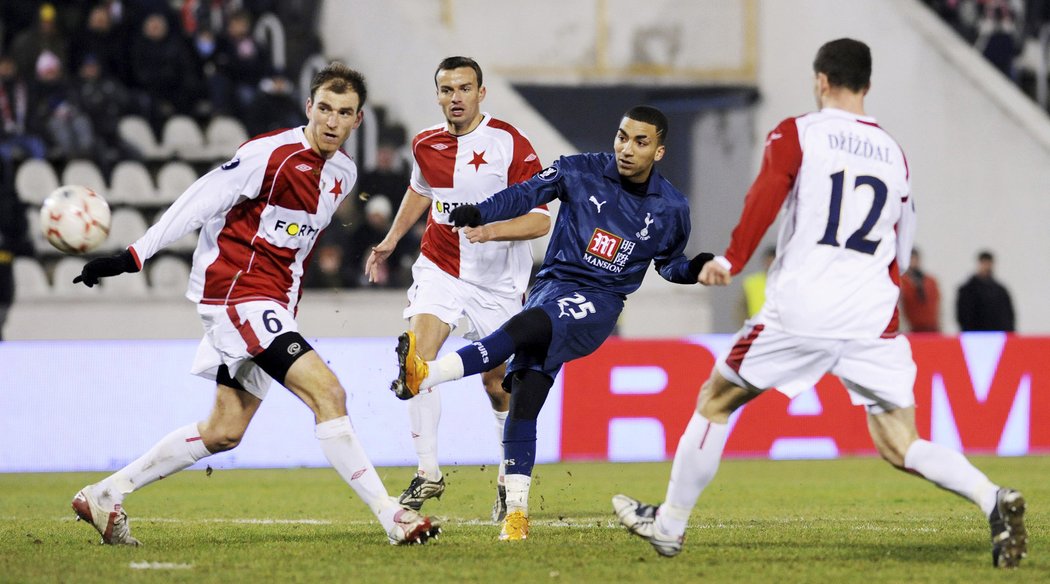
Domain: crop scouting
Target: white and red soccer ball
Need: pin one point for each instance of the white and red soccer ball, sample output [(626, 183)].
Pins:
[(75, 219)]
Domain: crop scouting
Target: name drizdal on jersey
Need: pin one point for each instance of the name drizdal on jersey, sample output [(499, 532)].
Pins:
[(295, 229), (858, 146), (608, 251)]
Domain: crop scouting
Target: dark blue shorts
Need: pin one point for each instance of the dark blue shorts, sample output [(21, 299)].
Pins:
[(581, 320)]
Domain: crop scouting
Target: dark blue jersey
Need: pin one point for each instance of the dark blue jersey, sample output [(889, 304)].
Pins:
[(604, 237)]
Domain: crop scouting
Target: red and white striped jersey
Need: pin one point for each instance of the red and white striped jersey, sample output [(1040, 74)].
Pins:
[(260, 215), (846, 231), (454, 170)]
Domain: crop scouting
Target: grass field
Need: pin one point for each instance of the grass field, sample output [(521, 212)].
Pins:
[(760, 521)]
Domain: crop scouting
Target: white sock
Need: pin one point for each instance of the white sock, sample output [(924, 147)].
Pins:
[(518, 492), (447, 368), (176, 451), (501, 422), (424, 413), (342, 448), (950, 470), (695, 463)]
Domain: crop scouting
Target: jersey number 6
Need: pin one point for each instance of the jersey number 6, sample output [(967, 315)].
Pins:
[(856, 242)]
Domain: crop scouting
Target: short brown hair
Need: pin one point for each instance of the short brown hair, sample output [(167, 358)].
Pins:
[(450, 63), (339, 78)]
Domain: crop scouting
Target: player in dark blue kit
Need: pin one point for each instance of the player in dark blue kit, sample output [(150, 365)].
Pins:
[(617, 216)]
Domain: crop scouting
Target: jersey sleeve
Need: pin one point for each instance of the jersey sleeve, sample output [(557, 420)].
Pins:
[(525, 163), (781, 161), (417, 182), (210, 196), (905, 233), (671, 262), (524, 197)]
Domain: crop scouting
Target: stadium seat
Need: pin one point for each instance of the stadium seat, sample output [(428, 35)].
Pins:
[(30, 279), (62, 284), (174, 178), (224, 135), (35, 180), (132, 185), (136, 131), (168, 277), (126, 286), (127, 226), (182, 137), (85, 173), (36, 235)]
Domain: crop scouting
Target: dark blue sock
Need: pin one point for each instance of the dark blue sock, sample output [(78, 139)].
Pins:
[(519, 446), (487, 354)]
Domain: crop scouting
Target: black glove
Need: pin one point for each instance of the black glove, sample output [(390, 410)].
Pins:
[(465, 216), (697, 263), (121, 263)]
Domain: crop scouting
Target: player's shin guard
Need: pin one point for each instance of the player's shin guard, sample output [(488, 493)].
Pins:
[(174, 452), (342, 448), (424, 413), (519, 456), (695, 464), (950, 470)]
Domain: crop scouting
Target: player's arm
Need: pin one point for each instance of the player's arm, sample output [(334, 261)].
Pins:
[(905, 233), (529, 226), (412, 207), (672, 264), (780, 164), (514, 201), (209, 196)]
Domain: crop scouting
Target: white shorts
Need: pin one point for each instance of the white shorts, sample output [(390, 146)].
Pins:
[(877, 373), (234, 334), (435, 291)]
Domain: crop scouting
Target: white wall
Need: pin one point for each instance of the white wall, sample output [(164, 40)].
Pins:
[(978, 149)]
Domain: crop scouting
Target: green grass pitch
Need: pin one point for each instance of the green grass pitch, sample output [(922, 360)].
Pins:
[(848, 520)]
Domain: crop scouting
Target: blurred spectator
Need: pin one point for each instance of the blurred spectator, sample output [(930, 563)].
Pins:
[(276, 106), (753, 293), (997, 37), (14, 241), (29, 44), (164, 68), (17, 142), (378, 215), (56, 114), (983, 304), (240, 65), (920, 298), (102, 40), (104, 100), (328, 271)]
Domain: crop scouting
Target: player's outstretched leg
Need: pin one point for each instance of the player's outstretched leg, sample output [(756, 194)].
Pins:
[(419, 490), (640, 519), (412, 369), (1009, 536), (109, 519)]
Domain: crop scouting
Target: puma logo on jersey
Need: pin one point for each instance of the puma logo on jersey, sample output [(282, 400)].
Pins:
[(596, 203)]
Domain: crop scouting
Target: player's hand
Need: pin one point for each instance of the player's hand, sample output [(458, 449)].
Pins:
[(465, 216), (121, 263), (479, 234), (377, 258), (713, 274)]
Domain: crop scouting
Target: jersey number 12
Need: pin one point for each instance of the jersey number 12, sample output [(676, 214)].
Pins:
[(857, 241)]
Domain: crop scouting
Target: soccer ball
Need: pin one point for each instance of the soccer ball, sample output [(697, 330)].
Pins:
[(75, 219)]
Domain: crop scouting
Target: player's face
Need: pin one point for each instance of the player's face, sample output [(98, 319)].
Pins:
[(332, 116), (460, 98), (637, 149)]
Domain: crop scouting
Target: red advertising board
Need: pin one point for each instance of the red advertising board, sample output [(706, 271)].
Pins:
[(977, 408)]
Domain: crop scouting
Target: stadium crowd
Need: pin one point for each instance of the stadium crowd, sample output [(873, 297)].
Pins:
[(71, 72)]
